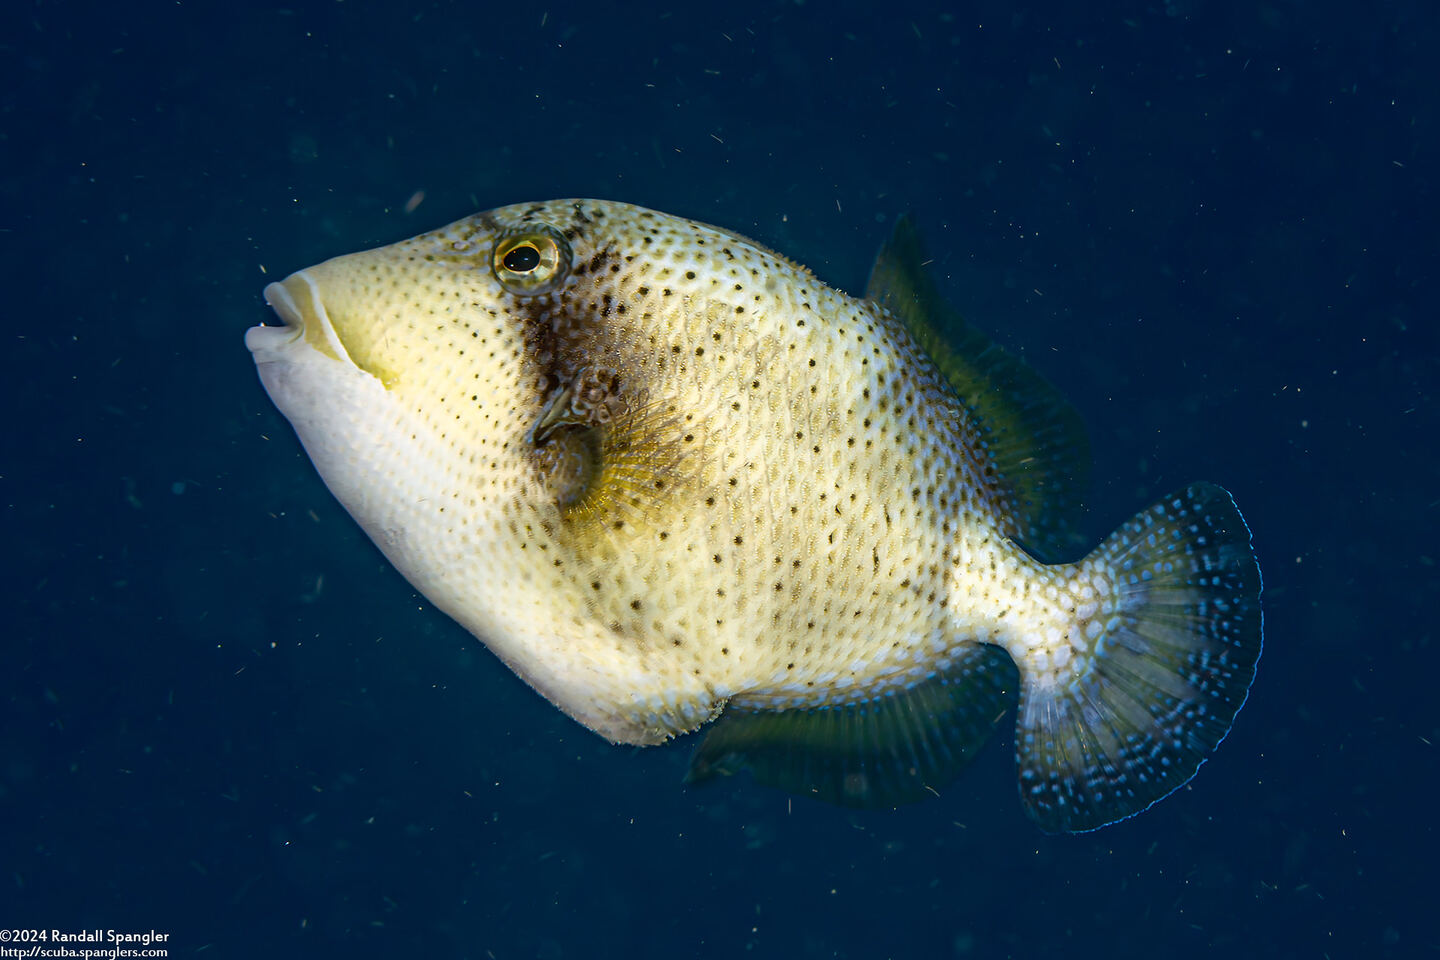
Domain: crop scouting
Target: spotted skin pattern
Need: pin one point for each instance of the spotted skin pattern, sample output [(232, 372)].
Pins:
[(677, 473)]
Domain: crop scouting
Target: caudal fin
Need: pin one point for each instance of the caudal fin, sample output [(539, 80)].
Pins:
[(1165, 675)]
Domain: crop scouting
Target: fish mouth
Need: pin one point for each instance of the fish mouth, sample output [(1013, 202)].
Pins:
[(284, 306), (296, 301)]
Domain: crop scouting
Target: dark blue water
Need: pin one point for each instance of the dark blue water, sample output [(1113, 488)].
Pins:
[(226, 718)]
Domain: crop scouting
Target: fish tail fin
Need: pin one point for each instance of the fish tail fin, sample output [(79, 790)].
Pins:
[(1147, 677)]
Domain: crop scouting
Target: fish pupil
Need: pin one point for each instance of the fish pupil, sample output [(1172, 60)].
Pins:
[(522, 259)]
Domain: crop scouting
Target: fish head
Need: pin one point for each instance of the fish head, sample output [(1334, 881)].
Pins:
[(443, 349), (490, 350), (459, 393)]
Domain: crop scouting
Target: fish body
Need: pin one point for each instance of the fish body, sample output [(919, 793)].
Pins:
[(668, 476)]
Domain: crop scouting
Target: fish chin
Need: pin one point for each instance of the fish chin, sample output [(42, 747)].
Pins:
[(349, 426)]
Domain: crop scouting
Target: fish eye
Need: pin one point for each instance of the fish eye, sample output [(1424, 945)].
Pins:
[(531, 261)]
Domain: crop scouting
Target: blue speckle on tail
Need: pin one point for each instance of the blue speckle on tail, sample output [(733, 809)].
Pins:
[(1160, 689)]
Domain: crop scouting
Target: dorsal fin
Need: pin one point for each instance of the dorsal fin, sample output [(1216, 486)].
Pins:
[(897, 747), (1037, 438)]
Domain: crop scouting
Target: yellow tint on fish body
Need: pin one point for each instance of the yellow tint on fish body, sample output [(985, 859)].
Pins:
[(666, 475)]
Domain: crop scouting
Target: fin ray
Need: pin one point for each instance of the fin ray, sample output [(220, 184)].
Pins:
[(1166, 681), (895, 748), (1037, 438)]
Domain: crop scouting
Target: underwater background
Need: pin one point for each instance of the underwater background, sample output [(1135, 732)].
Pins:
[(225, 717)]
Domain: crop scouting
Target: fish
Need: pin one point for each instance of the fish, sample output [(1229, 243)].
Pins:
[(674, 481)]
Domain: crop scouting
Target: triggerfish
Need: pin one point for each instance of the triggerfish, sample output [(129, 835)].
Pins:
[(670, 478)]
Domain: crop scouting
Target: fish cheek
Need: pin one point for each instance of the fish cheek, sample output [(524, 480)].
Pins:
[(607, 442), (577, 436), (609, 454)]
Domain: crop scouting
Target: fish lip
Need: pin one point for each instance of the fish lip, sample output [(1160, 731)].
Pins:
[(297, 302), (271, 342), (280, 300)]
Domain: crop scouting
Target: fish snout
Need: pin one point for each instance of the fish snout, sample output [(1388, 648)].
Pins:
[(297, 303)]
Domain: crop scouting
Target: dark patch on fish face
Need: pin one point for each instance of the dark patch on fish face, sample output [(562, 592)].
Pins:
[(568, 331), (608, 442), (592, 398), (581, 378), (604, 436), (563, 441), (597, 263)]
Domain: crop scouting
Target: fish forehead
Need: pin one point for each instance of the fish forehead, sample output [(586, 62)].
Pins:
[(678, 307), (646, 237), (599, 220), (692, 269)]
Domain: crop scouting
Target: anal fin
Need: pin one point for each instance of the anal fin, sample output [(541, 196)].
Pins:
[(896, 748)]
